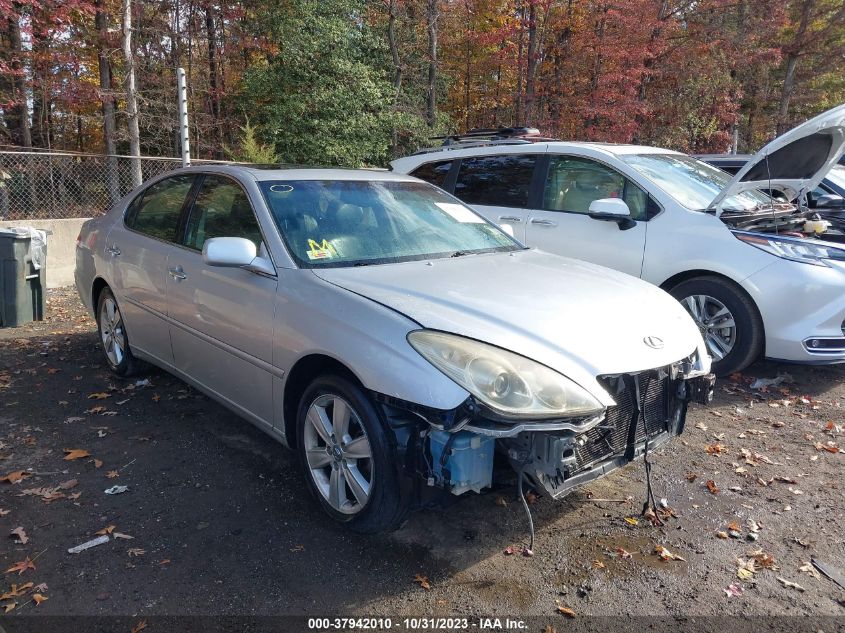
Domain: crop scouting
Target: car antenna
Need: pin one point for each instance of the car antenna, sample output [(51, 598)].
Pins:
[(771, 197)]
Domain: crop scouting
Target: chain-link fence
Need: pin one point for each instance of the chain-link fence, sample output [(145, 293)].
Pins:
[(41, 185)]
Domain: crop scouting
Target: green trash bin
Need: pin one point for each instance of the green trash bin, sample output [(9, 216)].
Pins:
[(23, 277)]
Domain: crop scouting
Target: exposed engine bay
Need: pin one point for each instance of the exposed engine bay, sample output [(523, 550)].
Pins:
[(789, 220), (455, 451)]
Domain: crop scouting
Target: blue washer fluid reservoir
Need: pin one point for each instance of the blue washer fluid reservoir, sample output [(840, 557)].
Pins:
[(469, 463)]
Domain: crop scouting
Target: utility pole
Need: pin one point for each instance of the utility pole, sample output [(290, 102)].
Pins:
[(182, 88), (131, 96)]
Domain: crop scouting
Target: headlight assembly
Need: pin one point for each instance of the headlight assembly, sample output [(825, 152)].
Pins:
[(794, 249), (508, 384)]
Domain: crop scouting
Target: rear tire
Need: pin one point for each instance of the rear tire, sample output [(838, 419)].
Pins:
[(728, 319), (113, 337), (348, 456)]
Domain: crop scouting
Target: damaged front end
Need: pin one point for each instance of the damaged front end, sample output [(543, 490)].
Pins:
[(455, 450)]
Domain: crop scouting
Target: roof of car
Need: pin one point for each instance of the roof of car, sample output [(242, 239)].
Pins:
[(740, 158), (301, 172), (509, 146)]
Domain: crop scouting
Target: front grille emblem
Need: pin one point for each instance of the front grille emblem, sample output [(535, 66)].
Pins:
[(653, 342)]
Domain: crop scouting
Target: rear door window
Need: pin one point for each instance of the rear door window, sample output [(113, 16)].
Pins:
[(498, 181), (435, 173), (156, 212), (222, 209)]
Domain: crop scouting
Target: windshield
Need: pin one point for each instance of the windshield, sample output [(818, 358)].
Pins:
[(837, 176), (693, 183), (330, 223)]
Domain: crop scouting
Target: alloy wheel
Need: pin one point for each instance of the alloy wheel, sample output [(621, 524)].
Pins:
[(714, 321), (338, 453), (112, 332)]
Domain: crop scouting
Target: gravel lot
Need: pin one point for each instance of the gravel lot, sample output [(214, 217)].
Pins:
[(221, 522)]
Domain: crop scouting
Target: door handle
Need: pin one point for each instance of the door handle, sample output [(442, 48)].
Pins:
[(177, 273), (543, 222), (510, 218), (113, 250)]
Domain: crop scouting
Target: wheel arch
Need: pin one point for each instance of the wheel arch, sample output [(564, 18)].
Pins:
[(303, 372), (96, 290), (689, 275)]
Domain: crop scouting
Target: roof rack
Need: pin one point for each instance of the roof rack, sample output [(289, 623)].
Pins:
[(480, 137)]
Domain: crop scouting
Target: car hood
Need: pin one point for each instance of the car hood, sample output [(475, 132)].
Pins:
[(580, 319), (795, 162)]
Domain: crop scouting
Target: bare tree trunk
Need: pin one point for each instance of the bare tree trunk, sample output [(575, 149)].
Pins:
[(792, 52), (431, 20), (107, 99), (397, 70), (212, 78), (131, 96), (18, 115), (531, 66)]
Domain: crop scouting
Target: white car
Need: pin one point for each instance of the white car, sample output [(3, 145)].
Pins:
[(752, 273)]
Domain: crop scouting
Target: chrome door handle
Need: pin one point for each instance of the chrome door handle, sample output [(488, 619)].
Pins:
[(113, 250), (543, 222), (177, 273), (510, 218)]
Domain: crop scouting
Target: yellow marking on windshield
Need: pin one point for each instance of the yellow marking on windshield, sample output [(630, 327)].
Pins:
[(320, 251)]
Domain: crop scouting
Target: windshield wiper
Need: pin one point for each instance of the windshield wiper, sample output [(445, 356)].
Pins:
[(458, 254)]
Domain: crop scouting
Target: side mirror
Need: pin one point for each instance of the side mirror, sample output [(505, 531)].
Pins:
[(612, 210), (235, 252), (829, 201)]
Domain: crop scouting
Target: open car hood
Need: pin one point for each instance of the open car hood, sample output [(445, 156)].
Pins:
[(795, 162)]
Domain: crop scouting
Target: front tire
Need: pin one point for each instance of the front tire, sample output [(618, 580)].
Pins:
[(348, 456), (728, 320), (114, 338)]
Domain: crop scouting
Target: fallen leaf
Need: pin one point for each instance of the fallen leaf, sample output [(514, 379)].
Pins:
[(501, 502), (40, 587), (597, 564), (112, 474), (744, 574), (808, 568), (623, 553), (722, 535), (21, 534), (8, 606), (16, 591), (4, 512), (164, 561), (691, 476), (98, 463), (790, 584), (136, 551), (715, 449), (75, 453), (508, 551), (701, 425), (100, 395), (15, 477), (95, 410), (733, 590), (38, 598), (711, 486), (766, 561), (21, 566), (67, 485), (106, 530), (139, 627), (549, 629), (422, 581), (631, 521), (123, 536), (156, 397), (569, 613), (666, 555)]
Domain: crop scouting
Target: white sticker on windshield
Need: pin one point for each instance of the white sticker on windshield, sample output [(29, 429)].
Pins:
[(460, 212)]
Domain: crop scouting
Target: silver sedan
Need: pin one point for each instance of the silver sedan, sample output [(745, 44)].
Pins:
[(387, 333)]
